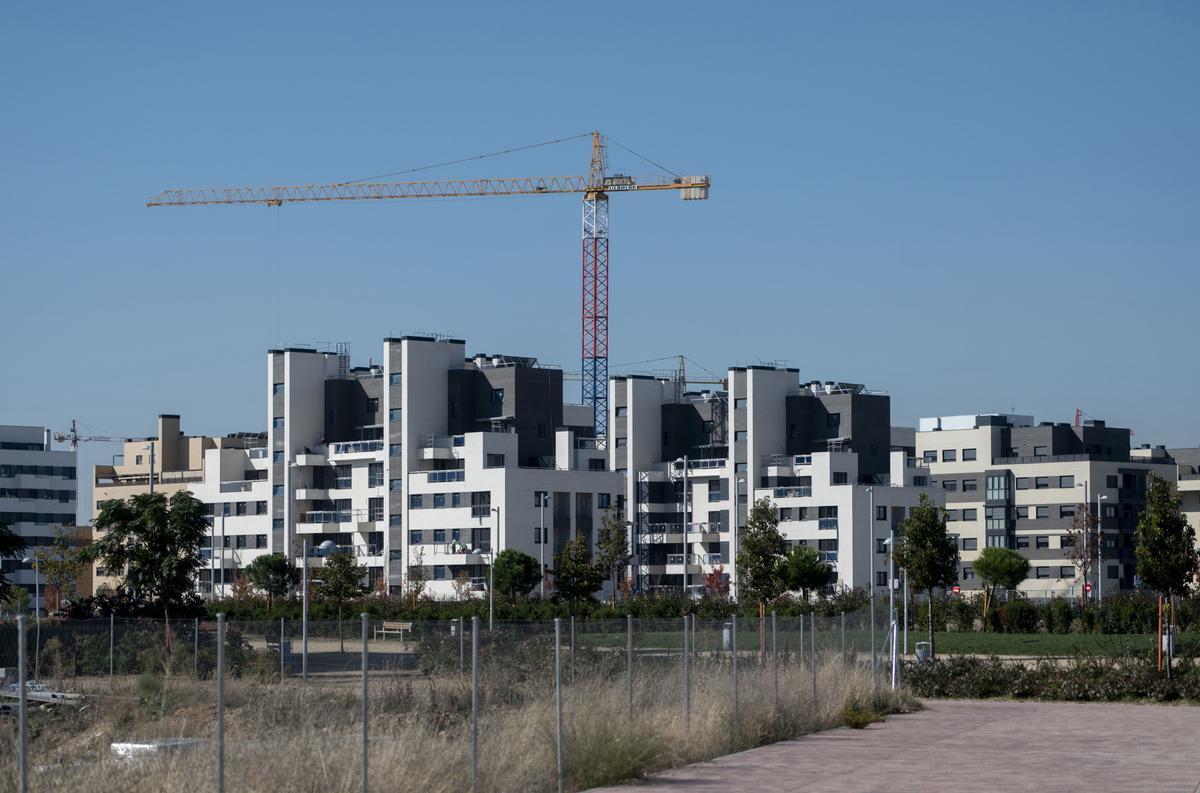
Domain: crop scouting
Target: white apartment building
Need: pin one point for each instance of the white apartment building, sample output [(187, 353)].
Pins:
[(821, 452), (38, 488), (1008, 482), (1188, 462), (429, 459)]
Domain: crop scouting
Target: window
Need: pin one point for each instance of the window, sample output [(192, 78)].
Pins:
[(827, 512), (740, 435), (394, 485), (997, 487), (996, 518), (622, 443), (970, 484), (439, 535), (1066, 481), (1111, 480), (372, 405), (1040, 451), (970, 514), (394, 414), (622, 411), (375, 475), (949, 456), (1042, 541), (1043, 572), (375, 509), (968, 455), (277, 457), (240, 508), (951, 515), (881, 545), (439, 572), (240, 541), (997, 541), (342, 477), (1110, 510), (833, 420), (394, 521), (494, 461), (1042, 513), (1022, 512), (1022, 542), (537, 535), (416, 537), (950, 484), (395, 378), (1113, 571), (137, 460), (1066, 541), (881, 578), (841, 478), (260, 541), (276, 423), (970, 543), (277, 524), (827, 545), (260, 508), (1066, 511), (1041, 483), (603, 500), (277, 490), (415, 500), (920, 481), (497, 396), (456, 499), (1022, 483), (740, 468), (740, 403), (393, 450), (1066, 571), (277, 389), (597, 464), (968, 574), (880, 513), (931, 457), (439, 501)]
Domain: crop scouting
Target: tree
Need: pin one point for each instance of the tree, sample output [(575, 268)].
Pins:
[(576, 578), (157, 542), (802, 569), (16, 599), (759, 551), (1081, 541), (612, 547), (927, 553), (62, 563), (11, 547), (515, 573), (999, 567), (274, 574), (243, 588), (1164, 545), (715, 582), (341, 581), (417, 579)]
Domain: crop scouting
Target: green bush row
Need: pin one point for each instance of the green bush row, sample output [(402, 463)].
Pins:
[(1132, 612)]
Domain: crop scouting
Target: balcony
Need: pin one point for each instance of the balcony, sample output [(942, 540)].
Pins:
[(434, 477), (258, 453), (827, 523), (828, 556), (309, 459), (440, 447), (793, 492), (322, 521), (698, 465), (311, 493), (349, 448), (238, 485), (451, 553), (696, 559)]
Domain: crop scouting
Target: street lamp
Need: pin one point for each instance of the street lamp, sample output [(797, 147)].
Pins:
[(149, 447), (325, 546), (1099, 552), (37, 615), (871, 573), (890, 542)]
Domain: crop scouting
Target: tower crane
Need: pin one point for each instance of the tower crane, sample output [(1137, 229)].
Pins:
[(72, 435), (595, 188)]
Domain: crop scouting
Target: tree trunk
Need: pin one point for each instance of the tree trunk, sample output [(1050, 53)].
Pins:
[(167, 626), (932, 647)]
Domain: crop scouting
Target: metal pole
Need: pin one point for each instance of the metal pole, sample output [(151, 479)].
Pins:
[(572, 649), (558, 725), (1099, 552), (151, 480), (733, 653), (112, 628), (685, 523), (23, 705), (196, 649), (775, 661), (871, 579), (37, 618), (462, 628), (474, 704), (843, 637), (687, 680), (905, 612), (542, 545), (221, 549), (629, 661), (892, 602), (281, 670), (304, 620), (365, 710), (221, 702), (812, 643)]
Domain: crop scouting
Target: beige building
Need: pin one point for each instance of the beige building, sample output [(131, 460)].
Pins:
[(166, 463)]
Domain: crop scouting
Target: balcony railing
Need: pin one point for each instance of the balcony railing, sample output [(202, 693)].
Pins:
[(677, 528), (258, 452), (238, 486), (802, 459), (585, 443), (355, 447), (827, 556), (434, 477), (800, 491), (827, 523), (696, 558), (481, 511), (700, 464), (442, 441), (334, 516)]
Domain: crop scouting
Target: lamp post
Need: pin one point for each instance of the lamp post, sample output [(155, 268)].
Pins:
[(324, 546), (737, 520), (543, 497), (1099, 550), (491, 580), (37, 615), (1084, 485), (871, 571)]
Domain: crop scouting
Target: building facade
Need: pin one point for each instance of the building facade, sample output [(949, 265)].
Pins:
[(1009, 482)]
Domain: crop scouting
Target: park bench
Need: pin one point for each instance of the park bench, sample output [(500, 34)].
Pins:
[(397, 628)]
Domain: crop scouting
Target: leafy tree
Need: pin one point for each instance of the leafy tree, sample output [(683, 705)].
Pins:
[(341, 581), (417, 579), (803, 570), (1081, 541), (11, 547), (927, 553), (575, 577), (1165, 544), (62, 563), (156, 541), (999, 567), (274, 574), (16, 599), (515, 573), (612, 547), (759, 552)]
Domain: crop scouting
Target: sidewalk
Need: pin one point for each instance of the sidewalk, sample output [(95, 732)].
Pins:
[(976, 746)]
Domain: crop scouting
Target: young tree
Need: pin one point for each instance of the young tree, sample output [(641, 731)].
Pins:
[(11, 547), (1164, 544), (156, 541), (515, 573), (341, 581), (16, 599), (576, 578), (62, 563), (1081, 541), (273, 574), (927, 553), (417, 578), (759, 551), (803, 570), (715, 582), (612, 547), (999, 567), (243, 588)]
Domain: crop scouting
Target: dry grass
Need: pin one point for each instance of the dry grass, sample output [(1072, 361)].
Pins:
[(287, 737)]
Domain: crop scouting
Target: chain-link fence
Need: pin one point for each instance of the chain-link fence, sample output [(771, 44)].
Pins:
[(362, 704)]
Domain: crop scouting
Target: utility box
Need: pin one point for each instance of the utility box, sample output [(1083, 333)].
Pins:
[(924, 652)]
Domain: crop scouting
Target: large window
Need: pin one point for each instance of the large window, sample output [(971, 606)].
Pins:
[(375, 475), (1042, 513), (997, 541), (996, 518), (494, 461), (341, 477), (997, 487), (970, 514), (1041, 451)]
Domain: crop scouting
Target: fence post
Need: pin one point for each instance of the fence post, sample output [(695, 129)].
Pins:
[(775, 662), (112, 628), (572, 649), (365, 709), (462, 629), (812, 643), (474, 704), (733, 653), (221, 702), (196, 649), (281, 671), (629, 661), (843, 637), (687, 680), (558, 726), (23, 706)]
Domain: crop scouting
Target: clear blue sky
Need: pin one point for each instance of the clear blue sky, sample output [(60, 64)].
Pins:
[(975, 207)]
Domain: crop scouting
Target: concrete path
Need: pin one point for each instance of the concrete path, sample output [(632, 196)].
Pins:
[(978, 747)]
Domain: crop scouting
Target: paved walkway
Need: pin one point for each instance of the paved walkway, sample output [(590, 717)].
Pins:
[(976, 747)]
